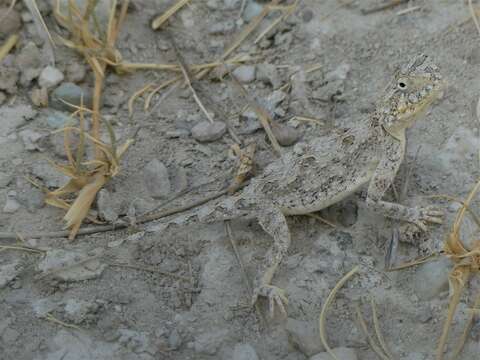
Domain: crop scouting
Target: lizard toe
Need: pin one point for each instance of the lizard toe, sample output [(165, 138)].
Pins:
[(275, 296)]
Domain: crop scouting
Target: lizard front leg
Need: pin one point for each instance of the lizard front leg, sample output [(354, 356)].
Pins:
[(383, 178), (274, 223)]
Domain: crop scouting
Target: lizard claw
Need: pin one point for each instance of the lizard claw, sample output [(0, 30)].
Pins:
[(275, 296), (422, 216)]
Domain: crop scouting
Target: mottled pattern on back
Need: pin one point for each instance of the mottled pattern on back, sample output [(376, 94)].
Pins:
[(330, 167)]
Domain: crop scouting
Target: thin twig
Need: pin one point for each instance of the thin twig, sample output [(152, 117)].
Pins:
[(288, 11), (378, 332), (104, 228), (326, 305), (187, 77), (474, 16), (160, 20), (387, 6), (265, 119), (245, 278), (242, 35), (8, 45), (321, 219), (363, 327), (53, 319), (22, 248)]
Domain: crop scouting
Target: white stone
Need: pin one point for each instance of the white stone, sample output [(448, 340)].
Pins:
[(50, 77)]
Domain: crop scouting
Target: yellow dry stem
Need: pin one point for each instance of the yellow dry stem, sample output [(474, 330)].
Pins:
[(160, 20), (8, 45)]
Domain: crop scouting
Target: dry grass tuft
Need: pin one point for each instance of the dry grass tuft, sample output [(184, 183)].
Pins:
[(86, 177), (467, 262)]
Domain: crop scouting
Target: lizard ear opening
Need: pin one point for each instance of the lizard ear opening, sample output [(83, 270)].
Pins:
[(402, 84)]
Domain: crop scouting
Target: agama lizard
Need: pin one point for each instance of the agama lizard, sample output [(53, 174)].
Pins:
[(325, 171)]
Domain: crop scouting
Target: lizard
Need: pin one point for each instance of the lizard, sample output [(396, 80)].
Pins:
[(323, 172)]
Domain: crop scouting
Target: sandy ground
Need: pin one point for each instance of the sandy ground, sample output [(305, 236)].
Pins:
[(184, 296)]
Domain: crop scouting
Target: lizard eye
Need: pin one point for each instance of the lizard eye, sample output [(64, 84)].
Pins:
[(402, 84)]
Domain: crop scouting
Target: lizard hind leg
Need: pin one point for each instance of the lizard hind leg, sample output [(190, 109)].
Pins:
[(274, 223)]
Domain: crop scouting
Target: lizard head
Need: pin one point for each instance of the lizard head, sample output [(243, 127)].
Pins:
[(414, 88)]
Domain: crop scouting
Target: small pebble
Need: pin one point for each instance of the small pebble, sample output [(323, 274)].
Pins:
[(307, 15), (208, 342), (179, 133), (76, 72), (29, 57), (244, 352), (26, 16), (245, 73), (268, 74), (50, 177), (212, 4), (340, 73), (231, 4), (342, 353), (272, 102), (58, 120), (29, 196), (285, 134), (251, 10), (174, 340), (39, 97), (30, 139), (303, 336), (61, 262), (5, 179), (157, 180), (29, 62), (9, 77), (70, 93), (11, 204), (106, 206), (221, 28), (207, 132), (78, 311), (50, 77), (28, 75), (10, 23), (431, 278), (8, 272)]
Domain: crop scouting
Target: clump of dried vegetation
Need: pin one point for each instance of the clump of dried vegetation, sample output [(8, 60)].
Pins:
[(88, 176), (466, 263)]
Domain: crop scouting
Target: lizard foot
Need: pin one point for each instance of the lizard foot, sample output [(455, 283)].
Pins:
[(275, 296), (421, 216)]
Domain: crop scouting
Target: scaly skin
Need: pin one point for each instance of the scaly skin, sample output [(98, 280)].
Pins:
[(328, 170)]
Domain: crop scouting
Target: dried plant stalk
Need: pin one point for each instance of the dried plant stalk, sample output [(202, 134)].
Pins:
[(8, 45), (160, 20), (326, 305)]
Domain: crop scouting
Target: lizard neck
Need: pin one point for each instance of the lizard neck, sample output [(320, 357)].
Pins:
[(377, 121)]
